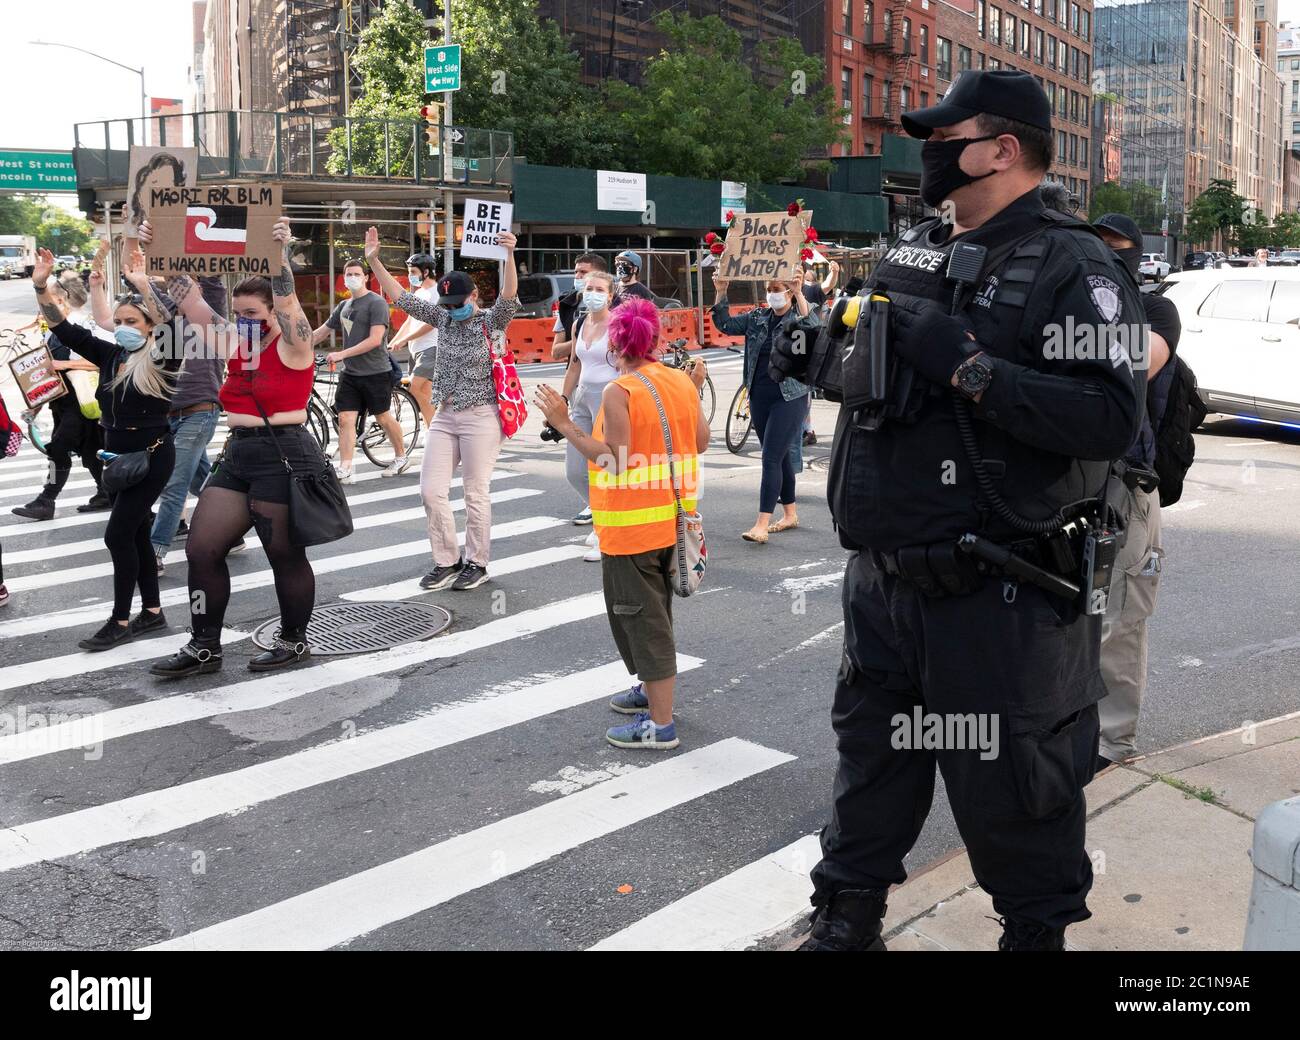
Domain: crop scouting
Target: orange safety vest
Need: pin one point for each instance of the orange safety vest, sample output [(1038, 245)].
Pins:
[(634, 511)]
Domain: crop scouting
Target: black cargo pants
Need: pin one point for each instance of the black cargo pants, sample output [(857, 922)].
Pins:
[(1004, 682)]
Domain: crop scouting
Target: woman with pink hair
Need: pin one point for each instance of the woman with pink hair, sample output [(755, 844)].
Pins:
[(631, 477)]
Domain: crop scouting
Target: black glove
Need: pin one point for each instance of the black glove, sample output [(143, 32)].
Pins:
[(932, 342), (791, 346)]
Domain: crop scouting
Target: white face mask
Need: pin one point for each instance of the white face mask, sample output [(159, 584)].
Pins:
[(354, 282), (579, 283), (776, 300)]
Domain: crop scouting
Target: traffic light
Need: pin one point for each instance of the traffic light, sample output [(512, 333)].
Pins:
[(432, 114)]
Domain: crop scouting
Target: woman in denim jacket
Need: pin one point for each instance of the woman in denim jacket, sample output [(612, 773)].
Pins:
[(778, 409)]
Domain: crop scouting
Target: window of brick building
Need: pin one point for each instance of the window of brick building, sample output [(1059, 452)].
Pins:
[(979, 18), (1051, 52), (963, 58), (1024, 38), (925, 45), (846, 8), (1009, 31), (945, 58), (868, 20), (1038, 46), (868, 91), (995, 24), (907, 36)]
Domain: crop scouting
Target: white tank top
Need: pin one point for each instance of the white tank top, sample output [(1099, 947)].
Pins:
[(596, 366)]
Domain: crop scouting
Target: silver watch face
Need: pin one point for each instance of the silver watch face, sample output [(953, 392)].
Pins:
[(973, 377)]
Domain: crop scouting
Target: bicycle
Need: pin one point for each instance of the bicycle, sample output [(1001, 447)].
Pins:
[(677, 357), (323, 416)]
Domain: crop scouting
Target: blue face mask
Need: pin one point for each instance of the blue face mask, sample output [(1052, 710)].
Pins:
[(129, 338), (248, 327), (462, 312), (595, 299)]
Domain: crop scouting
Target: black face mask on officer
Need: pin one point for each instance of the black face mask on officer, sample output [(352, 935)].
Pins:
[(1131, 255), (941, 174)]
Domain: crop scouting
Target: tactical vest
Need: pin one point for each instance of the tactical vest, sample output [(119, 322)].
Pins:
[(867, 467)]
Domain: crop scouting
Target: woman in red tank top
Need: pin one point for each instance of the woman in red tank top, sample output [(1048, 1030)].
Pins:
[(269, 371)]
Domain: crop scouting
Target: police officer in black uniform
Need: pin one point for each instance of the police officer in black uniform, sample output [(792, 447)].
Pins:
[(1002, 420)]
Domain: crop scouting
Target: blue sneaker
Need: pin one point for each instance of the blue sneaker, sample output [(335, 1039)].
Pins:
[(641, 732), (631, 702)]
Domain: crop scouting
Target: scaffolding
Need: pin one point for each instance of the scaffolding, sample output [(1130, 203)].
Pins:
[(320, 37)]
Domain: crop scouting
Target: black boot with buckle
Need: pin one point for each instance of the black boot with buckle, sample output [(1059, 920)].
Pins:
[(850, 920), (200, 656), (290, 647), (1030, 935)]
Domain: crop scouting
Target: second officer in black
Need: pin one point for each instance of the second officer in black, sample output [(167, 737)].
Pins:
[(1028, 353)]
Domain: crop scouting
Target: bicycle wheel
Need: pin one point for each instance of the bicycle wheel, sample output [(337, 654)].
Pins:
[(739, 421), (709, 399), (374, 441), (318, 424), (38, 431)]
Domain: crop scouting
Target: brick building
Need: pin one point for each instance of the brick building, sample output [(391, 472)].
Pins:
[(1052, 40)]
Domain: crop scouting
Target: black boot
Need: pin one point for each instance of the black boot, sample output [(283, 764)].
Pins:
[(850, 920), (147, 621), (99, 501), (200, 656), (1030, 935), (290, 648), (39, 508)]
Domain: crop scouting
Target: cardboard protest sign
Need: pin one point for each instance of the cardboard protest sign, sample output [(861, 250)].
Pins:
[(150, 168), (214, 230), (484, 220), (37, 380), (762, 246)]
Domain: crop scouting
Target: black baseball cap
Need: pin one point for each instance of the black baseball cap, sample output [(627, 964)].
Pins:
[(1012, 95), (454, 288), (1125, 227)]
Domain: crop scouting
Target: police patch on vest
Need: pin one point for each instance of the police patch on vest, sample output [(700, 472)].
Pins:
[(1105, 297), (984, 298), (916, 256)]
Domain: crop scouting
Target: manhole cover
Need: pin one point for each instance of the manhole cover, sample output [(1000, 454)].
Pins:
[(818, 463), (356, 628)]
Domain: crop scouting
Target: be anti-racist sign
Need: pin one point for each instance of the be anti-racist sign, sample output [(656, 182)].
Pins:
[(37, 380), (762, 246), (484, 220), (215, 230)]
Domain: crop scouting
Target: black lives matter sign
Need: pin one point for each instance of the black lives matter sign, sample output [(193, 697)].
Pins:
[(215, 230), (763, 246)]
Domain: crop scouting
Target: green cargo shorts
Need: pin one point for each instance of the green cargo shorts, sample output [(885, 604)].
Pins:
[(639, 602)]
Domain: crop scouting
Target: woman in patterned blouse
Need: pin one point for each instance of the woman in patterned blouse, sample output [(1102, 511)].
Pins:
[(466, 426)]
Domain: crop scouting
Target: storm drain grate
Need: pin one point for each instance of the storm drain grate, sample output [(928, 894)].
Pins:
[(357, 628)]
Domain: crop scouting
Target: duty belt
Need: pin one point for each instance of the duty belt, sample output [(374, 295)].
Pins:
[(959, 567)]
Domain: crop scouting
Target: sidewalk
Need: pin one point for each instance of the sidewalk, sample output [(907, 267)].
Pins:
[(1170, 838)]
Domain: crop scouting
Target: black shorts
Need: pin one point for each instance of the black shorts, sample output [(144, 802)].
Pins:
[(251, 464), (370, 394)]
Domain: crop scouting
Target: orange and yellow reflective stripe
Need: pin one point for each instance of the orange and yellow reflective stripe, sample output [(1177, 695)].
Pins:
[(636, 517), (660, 473)]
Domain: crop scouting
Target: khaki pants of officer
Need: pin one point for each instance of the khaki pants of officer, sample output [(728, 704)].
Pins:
[(1124, 631)]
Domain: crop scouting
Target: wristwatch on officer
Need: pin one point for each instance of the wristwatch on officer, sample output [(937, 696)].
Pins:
[(974, 375)]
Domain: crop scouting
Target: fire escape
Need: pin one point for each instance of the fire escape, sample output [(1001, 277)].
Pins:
[(887, 38)]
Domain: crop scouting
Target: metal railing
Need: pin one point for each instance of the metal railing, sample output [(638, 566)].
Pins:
[(292, 145)]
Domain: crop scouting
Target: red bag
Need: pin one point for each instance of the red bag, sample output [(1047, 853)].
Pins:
[(511, 408), (11, 436)]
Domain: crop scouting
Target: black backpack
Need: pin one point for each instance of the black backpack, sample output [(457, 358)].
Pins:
[(1175, 446)]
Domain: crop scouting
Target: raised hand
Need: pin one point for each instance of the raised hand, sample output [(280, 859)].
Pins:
[(281, 231), (43, 269), (372, 243), (145, 232)]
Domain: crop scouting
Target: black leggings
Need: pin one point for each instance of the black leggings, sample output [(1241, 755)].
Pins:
[(129, 524), (73, 435), (778, 422), (222, 517)]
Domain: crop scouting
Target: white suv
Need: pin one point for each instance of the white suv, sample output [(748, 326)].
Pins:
[(1153, 266), (1241, 335)]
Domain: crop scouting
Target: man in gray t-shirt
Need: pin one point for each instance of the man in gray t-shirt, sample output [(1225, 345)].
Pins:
[(366, 382)]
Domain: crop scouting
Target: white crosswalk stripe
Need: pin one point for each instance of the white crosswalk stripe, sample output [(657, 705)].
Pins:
[(158, 812), (351, 907)]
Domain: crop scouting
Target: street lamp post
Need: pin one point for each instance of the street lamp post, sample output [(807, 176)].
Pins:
[(139, 72)]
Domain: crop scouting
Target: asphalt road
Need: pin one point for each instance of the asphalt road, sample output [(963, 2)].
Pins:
[(458, 793)]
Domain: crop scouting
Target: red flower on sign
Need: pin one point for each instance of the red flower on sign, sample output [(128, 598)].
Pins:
[(810, 235), (731, 215), (710, 238), (717, 248), (793, 209), (805, 254)]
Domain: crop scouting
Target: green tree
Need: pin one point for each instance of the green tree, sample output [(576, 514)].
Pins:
[(1217, 211), (706, 110), (1286, 230), (62, 232), (1110, 197), (21, 214), (390, 59), (521, 75)]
